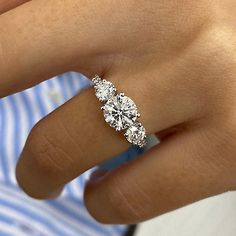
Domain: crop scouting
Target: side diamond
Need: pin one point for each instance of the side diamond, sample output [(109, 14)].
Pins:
[(104, 90), (136, 134)]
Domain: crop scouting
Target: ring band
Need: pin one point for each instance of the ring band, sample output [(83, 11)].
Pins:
[(120, 112)]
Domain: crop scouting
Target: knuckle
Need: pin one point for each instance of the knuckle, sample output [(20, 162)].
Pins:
[(210, 61), (220, 148), (44, 152), (217, 47)]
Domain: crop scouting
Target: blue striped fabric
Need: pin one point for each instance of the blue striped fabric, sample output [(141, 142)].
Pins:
[(19, 214)]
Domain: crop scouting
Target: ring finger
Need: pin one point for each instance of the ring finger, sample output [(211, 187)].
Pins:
[(75, 137)]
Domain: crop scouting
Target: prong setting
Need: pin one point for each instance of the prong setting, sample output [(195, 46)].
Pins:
[(104, 90)]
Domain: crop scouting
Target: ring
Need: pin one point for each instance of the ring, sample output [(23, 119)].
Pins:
[(120, 112)]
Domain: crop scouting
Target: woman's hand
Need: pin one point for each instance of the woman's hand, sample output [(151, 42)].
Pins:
[(176, 59)]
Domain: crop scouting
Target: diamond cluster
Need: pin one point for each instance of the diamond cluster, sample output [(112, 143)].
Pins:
[(119, 111)]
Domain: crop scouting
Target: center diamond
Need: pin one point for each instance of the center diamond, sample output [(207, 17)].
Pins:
[(120, 112)]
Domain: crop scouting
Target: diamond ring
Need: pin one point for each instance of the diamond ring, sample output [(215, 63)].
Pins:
[(120, 111)]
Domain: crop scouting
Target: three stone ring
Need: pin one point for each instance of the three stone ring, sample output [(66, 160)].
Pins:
[(120, 112)]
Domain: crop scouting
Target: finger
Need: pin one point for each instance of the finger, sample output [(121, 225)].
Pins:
[(6, 5), (75, 137), (62, 146), (45, 38), (181, 170)]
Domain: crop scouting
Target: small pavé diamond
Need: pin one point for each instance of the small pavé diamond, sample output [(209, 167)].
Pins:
[(120, 112), (104, 90), (136, 135)]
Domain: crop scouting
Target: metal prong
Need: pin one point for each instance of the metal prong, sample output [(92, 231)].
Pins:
[(138, 115), (102, 108), (122, 94), (117, 129), (96, 79)]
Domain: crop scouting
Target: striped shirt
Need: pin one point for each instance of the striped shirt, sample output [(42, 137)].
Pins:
[(19, 214)]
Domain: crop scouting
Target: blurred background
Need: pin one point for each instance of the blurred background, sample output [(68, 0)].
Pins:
[(215, 216)]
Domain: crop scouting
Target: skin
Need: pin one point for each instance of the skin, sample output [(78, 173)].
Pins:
[(176, 59)]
